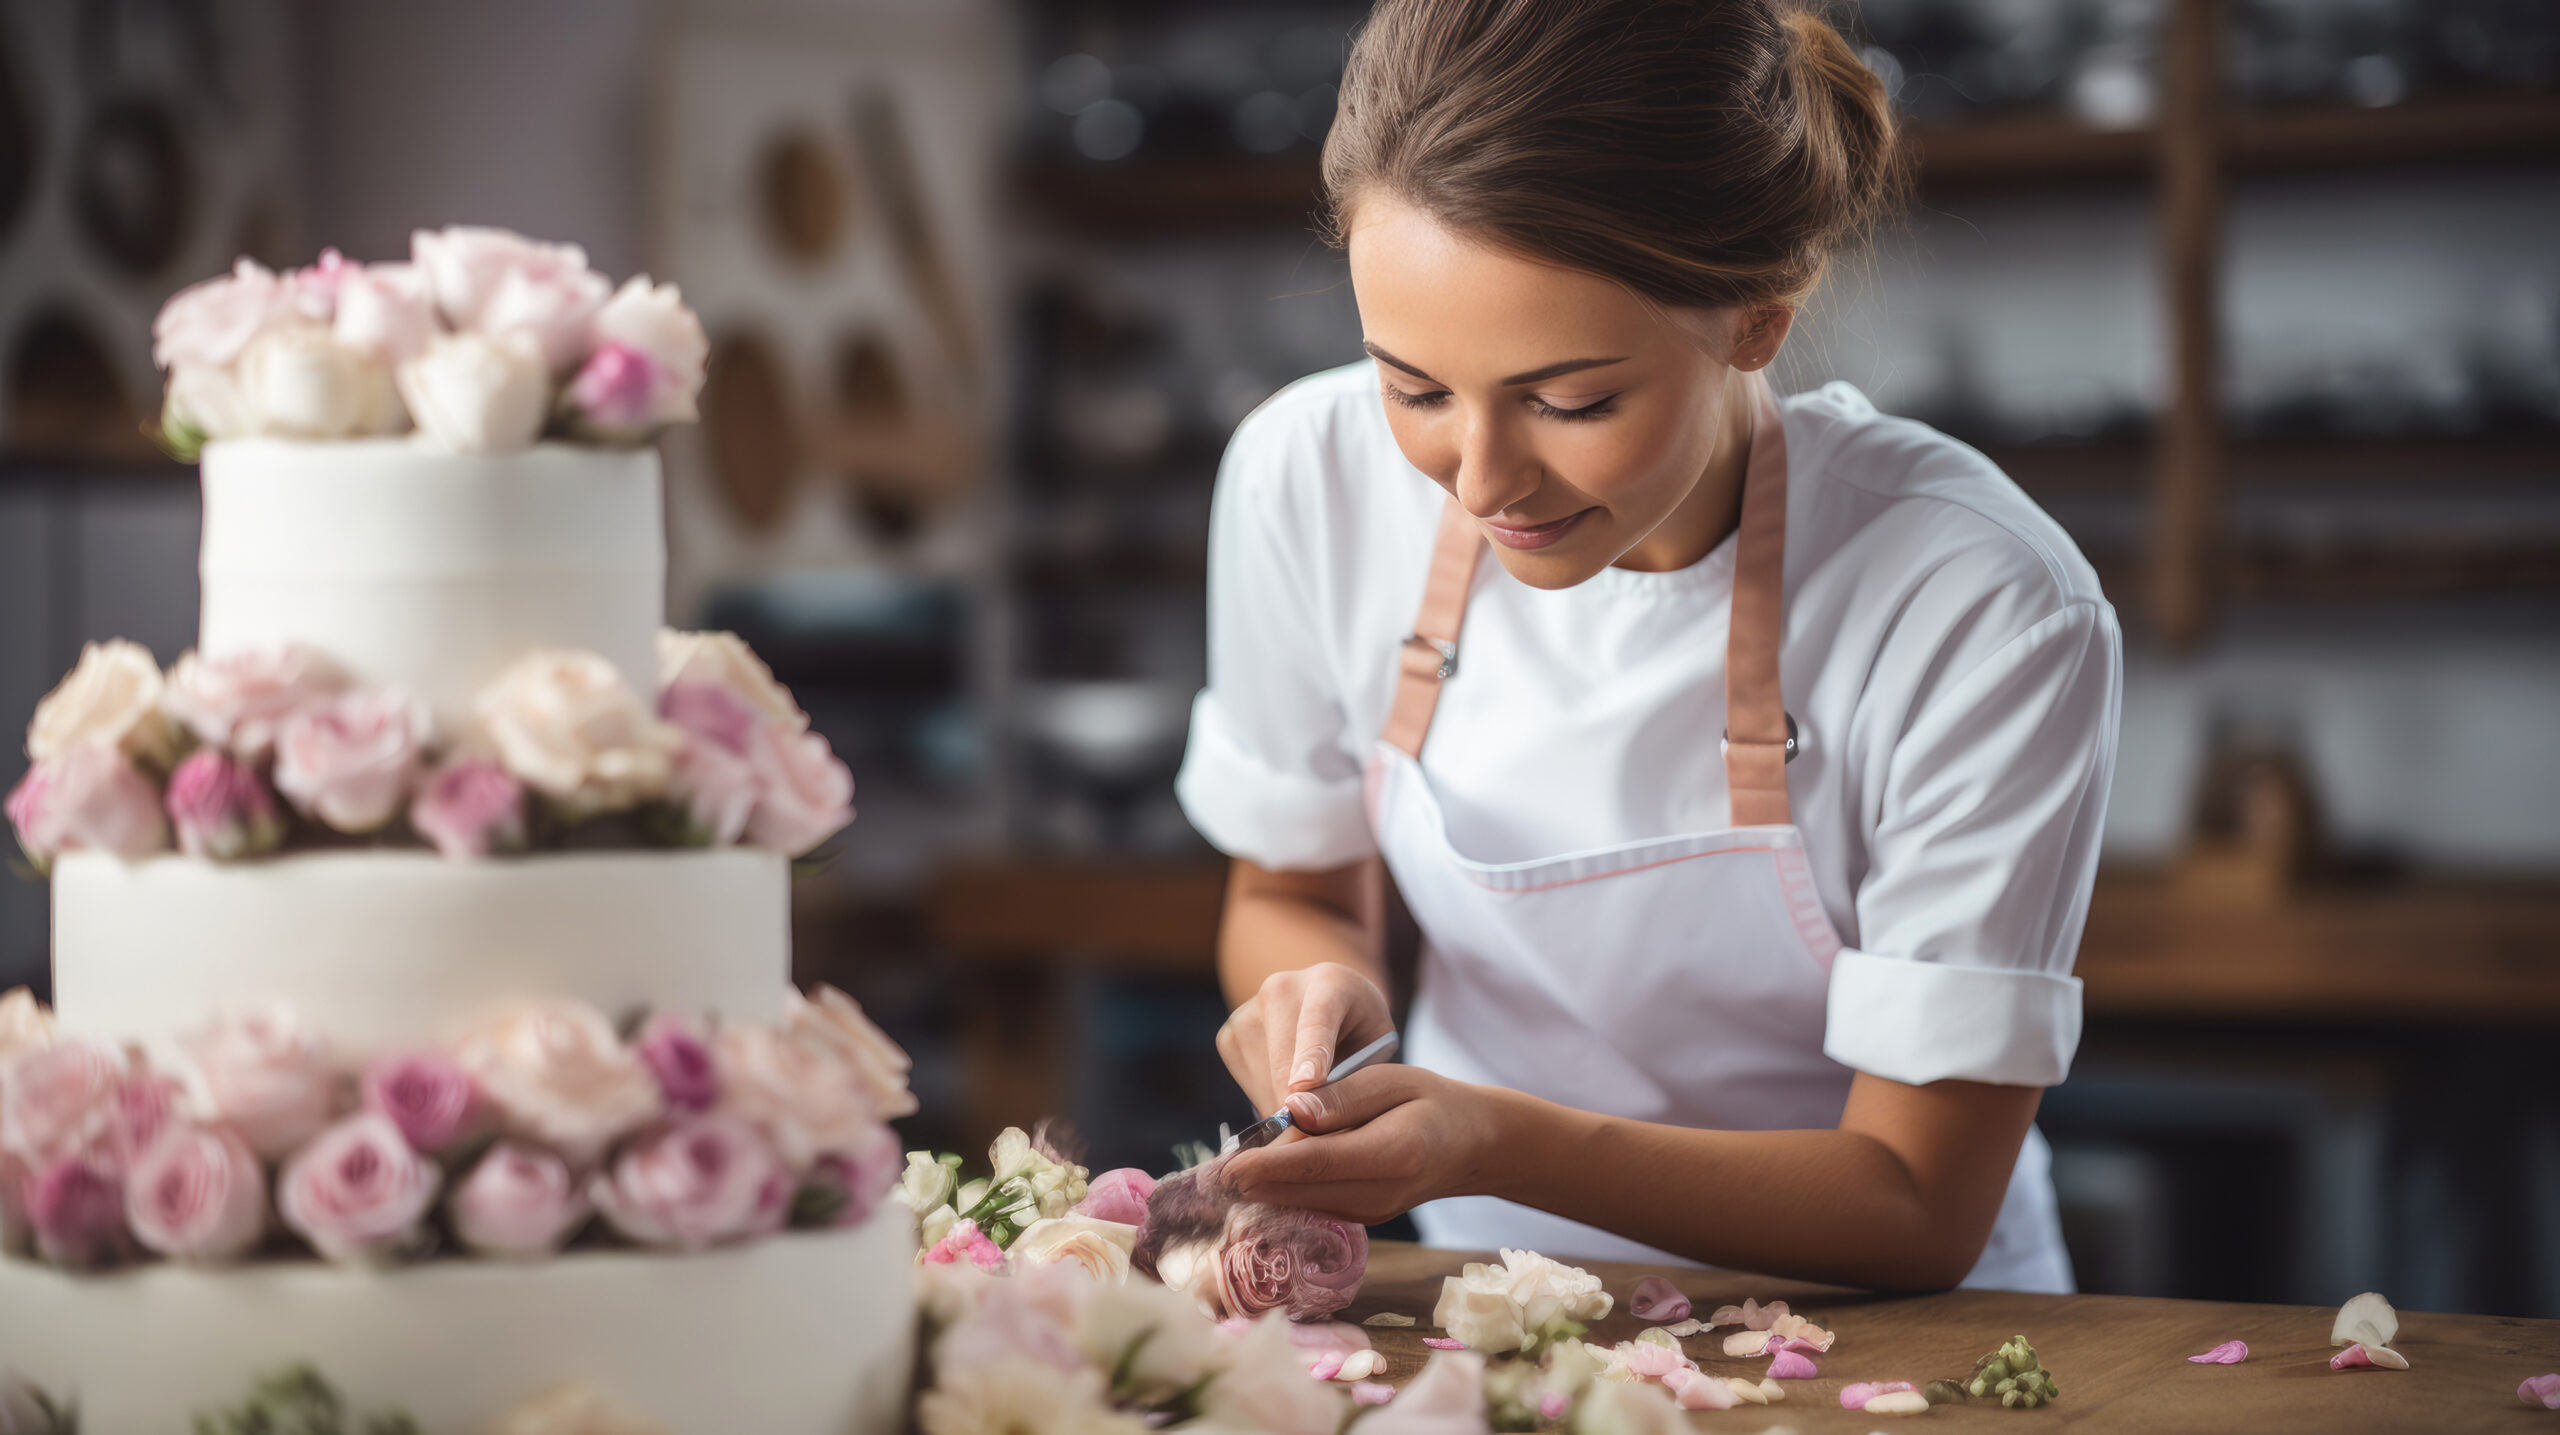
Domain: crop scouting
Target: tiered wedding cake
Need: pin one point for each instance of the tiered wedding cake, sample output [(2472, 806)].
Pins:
[(454, 1051)]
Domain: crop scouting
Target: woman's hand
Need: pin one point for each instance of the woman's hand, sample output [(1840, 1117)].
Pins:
[(1289, 1033), (1378, 1143)]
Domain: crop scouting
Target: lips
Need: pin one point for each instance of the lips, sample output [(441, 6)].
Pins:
[(1533, 536)]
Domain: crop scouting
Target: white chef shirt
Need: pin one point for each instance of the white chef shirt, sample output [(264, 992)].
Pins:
[(1951, 665)]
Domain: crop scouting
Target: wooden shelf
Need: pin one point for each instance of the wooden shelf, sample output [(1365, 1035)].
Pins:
[(2456, 954), (1126, 200), (2124, 465)]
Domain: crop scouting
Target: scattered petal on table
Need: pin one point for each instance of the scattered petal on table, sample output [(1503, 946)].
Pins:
[(1743, 1344), (1389, 1318), (2542, 1390), (1658, 1299), (1751, 1390), (2381, 1357), (1360, 1365), (1683, 1329), (1704, 1392), (2230, 1352), (1793, 1365), (1855, 1397), (1370, 1392), (1898, 1402), (2367, 1320), (1442, 1342), (1796, 1327), (1328, 1364)]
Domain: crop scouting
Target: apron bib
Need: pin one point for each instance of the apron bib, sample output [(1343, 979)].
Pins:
[(1680, 980)]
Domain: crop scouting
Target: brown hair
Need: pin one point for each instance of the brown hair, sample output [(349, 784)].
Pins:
[(1700, 152)]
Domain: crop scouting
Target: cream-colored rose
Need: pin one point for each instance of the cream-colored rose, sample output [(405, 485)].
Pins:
[(726, 660), (471, 393), (1478, 1312), (559, 1076), (300, 382), (207, 399), (576, 1408), (1158, 1335), (1100, 1248), (835, 1020), (1022, 1395), (564, 724), (800, 1093), (112, 697), (25, 1025)]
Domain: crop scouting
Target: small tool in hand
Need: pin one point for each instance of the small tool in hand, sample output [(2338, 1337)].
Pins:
[(1269, 1128)]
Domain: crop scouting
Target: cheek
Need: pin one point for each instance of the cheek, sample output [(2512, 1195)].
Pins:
[(1638, 464), (1424, 444)]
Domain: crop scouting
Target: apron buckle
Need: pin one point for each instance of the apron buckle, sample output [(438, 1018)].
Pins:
[(1447, 650), (1793, 747)]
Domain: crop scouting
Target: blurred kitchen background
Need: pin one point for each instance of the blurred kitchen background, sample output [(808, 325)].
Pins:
[(2260, 297)]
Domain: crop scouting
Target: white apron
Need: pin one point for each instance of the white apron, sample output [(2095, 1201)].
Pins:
[(1679, 980)]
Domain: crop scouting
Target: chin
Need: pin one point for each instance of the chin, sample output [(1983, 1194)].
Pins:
[(1548, 569)]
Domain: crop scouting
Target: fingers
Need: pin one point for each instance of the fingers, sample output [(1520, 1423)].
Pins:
[(1319, 1025), (1355, 1100)]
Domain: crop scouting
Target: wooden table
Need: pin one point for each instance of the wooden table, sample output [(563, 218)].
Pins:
[(2120, 1360)]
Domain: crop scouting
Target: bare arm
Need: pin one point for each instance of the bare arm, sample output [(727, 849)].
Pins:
[(1301, 958), (1900, 1197)]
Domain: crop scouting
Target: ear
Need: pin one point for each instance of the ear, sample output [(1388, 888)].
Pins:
[(1761, 333)]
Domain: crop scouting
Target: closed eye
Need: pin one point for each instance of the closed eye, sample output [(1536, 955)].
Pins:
[(1597, 408), (1430, 400)]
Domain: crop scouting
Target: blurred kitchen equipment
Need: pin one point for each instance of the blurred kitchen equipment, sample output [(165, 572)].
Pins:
[(746, 420), (2257, 827), (132, 189), (802, 187), (1107, 748), (889, 163)]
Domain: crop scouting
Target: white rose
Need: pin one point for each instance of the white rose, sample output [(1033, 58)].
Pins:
[(207, 399), (554, 309), (560, 1077), (801, 1094), (576, 1408), (724, 659), (25, 1025), (1100, 1248), (464, 264), (1639, 1408), (111, 697), (831, 1017), (206, 325), (1265, 1386), (1158, 1334), (472, 393), (1478, 1312), (565, 725), (239, 700), (386, 310), (300, 382)]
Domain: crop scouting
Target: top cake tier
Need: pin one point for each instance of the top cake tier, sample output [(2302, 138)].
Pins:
[(430, 572)]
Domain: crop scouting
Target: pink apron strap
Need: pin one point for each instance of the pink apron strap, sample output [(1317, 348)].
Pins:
[(1430, 653), (1755, 753)]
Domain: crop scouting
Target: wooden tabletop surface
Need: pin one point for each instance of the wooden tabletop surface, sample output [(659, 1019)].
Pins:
[(2119, 1360)]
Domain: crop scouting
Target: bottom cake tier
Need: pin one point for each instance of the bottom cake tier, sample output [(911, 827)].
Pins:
[(809, 1333)]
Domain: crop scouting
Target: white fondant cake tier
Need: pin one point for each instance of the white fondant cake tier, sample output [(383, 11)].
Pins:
[(809, 1333), (377, 949), (432, 571)]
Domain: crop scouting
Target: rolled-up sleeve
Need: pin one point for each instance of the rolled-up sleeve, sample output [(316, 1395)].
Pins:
[(1980, 866), (1272, 771)]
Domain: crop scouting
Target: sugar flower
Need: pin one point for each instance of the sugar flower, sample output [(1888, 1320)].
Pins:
[(198, 1193), (357, 1193)]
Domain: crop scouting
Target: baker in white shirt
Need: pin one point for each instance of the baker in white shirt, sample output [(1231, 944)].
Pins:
[(1749, 801)]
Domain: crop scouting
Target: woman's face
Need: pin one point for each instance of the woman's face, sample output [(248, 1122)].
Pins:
[(1574, 422)]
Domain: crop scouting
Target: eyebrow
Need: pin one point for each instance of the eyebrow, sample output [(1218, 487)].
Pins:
[(1534, 376)]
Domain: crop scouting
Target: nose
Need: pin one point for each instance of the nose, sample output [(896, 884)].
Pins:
[(1495, 470)]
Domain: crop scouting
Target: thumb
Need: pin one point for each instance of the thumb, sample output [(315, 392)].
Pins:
[(1355, 1100)]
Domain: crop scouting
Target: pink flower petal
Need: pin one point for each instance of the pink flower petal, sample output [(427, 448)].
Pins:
[(1793, 1365), (1791, 1342), (2377, 1357), (1658, 1299), (2542, 1390), (1328, 1364), (1370, 1392), (1555, 1403), (1855, 1397), (1442, 1342), (2230, 1352)]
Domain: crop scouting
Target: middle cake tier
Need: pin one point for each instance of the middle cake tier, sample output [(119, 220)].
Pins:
[(375, 950)]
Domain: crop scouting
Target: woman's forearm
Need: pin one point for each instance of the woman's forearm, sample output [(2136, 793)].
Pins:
[(1904, 1207), (1287, 921)]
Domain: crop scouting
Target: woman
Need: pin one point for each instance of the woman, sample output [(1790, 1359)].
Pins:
[(1785, 1002)]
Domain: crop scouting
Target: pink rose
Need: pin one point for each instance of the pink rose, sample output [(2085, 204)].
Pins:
[(209, 324), (694, 1182), (349, 762), (470, 807), (965, 1242), (843, 1188), (197, 1194), (385, 310), (648, 364), (559, 1076), (238, 700), (800, 1093), (87, 798), (312, 291), (427, 1095), (1119, 1195), (724, 660), (496, 282), (59, 1103), (77, 1209), (830, 1018), (711, 779), (221, 809), (146, 1105), (673, 1048), (357, 1192), (260, 1073), (520, 1202), (807, 795)]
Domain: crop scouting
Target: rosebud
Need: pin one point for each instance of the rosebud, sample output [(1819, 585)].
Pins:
[(221, 809)]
